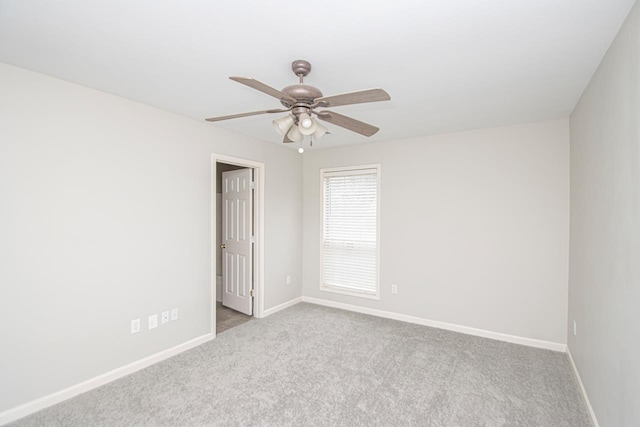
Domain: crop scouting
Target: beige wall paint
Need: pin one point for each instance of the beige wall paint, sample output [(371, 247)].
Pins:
[(604, 286), (474, 227), (105, 218)]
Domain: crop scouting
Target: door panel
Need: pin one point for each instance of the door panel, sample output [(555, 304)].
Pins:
[(237, 251)]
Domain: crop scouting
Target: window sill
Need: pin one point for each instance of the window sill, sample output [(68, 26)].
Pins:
[(331, 289)]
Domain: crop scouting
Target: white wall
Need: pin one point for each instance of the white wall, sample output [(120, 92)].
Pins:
[(220, 167), (474, 227), (105, 217), (604, 286)]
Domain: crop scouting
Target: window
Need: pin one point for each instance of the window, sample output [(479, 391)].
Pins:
[(350, 235)]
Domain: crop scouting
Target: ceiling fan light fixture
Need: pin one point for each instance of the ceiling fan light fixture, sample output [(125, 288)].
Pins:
[(283, 124), (295, 135), (320, 130), (306, 121), (307, 125)]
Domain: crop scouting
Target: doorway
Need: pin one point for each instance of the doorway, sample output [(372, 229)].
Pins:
[(237, 241)]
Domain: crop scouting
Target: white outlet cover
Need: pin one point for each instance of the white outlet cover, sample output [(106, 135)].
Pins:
[(288, 280), (394, 289), (165, 317), (174, 314), (153, 321), (135, 326)]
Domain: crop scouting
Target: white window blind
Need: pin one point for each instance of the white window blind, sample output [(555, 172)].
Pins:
[(350, 230)]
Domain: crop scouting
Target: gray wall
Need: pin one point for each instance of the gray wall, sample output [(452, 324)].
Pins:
[(474, 227), (604, 287), (105, 217)]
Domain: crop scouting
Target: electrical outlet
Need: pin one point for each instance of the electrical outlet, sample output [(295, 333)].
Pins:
[(288, 280), (174, 314), (575, 328), (153, 321), (135, 326), (165, 317), (394, 289)]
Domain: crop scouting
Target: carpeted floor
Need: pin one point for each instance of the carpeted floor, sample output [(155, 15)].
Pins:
[(316, 366)]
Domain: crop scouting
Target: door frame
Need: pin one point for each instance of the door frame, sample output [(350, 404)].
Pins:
[(258, 224)]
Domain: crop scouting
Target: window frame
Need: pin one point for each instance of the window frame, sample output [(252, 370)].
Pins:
[(344, 170)]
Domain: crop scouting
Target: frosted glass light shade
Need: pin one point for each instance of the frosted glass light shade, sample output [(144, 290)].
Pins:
[(305, 121), (307, 125), (295, 135), (320, 130), (283, 124)]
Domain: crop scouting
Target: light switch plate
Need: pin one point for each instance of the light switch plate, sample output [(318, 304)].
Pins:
[(135, 326), (153, 321), (174, 314), (165, 317)]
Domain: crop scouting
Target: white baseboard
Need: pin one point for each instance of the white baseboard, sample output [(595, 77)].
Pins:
[(583, 390), (57, 397), (531, 342), (281, 307)]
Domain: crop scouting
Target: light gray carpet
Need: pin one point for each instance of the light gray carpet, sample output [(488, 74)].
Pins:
[(315, 366)]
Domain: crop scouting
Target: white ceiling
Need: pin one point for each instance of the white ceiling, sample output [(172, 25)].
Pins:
[(448, 64)]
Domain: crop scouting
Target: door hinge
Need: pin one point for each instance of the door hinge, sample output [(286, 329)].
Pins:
[(251, 293), (253, 184), (253, 239)]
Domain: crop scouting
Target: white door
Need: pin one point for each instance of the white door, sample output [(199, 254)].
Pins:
[(237, 260)]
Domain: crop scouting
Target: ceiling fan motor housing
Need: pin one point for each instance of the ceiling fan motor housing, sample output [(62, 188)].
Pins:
[(303, 94)]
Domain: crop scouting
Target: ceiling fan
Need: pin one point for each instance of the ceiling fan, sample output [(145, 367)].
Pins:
[(301, 101)]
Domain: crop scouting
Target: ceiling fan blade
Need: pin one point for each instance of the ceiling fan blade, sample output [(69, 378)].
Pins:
[(286, 139), (253, 113), (358, 97), (347, 123), (255, 84)]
